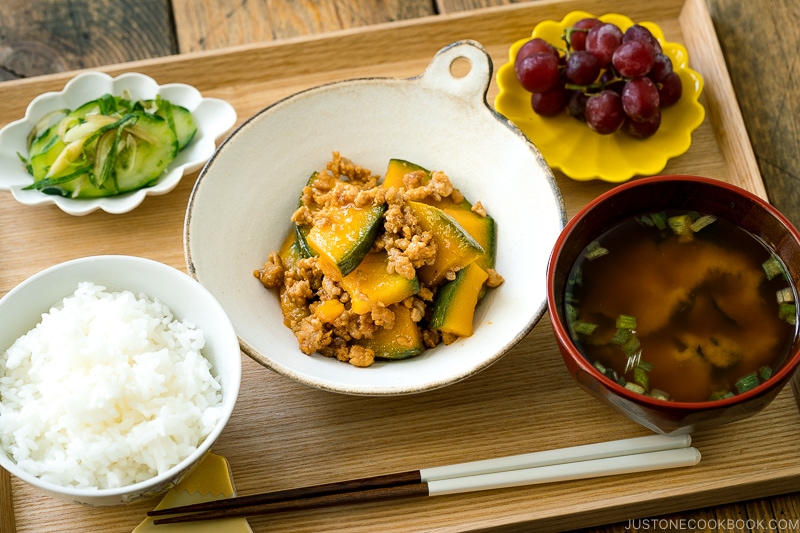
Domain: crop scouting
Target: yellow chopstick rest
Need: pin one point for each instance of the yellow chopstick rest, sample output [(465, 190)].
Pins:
[(210, 480)]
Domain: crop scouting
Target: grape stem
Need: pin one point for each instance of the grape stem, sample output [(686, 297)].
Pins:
[(595, 87)]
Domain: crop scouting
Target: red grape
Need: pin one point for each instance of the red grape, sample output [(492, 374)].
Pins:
[(576, 106), (633, 59), (640, 33), (550, 103), (534, 46), (602, 40), (609, 79), (538, 72), (662, 66), (604, 113), (640, 99), (582, 68), (577, 34), (670, 89), (642, 129)]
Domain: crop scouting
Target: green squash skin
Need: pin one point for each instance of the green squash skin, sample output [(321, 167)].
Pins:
[(458, 297), (384, 344)]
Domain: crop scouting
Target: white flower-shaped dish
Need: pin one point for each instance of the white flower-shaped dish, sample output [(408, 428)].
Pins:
[(214, 118)]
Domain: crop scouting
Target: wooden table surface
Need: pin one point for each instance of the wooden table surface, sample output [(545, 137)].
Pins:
[(758, 39)]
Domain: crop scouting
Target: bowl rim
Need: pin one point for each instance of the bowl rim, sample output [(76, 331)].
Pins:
[(228, 403), (396, 387), (778, 378)]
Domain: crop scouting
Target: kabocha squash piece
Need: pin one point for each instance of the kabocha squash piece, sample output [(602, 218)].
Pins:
[(455, 247), (290, 252), (346, 237), (329, 310), (404, 340), (301, 230), (371, 284), (397, 169), (482, 228), (454, 307)]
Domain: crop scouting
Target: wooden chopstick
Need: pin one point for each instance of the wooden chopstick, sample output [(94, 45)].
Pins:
[(339, 487), (602, 459), (7, 520)]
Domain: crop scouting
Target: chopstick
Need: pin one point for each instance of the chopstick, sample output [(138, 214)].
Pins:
[(639, 454)]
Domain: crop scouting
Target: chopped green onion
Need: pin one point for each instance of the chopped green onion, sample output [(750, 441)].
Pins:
[(594, 250), (621, 336), (635, 387), (611, 374), (647, 366), (721, 395), (702, 222), (659, 394), (785, 295), (583, 328), (631, 346), (570, 298), (747, 382), (660, 220), (765, 372), (681, 225), (575, 277), (788, 312), (626, 322), (600, 367), (772, 267), (640, 377), (646, 220), (571, 312)]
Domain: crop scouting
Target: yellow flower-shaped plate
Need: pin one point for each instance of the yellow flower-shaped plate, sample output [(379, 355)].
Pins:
[(570, 146)]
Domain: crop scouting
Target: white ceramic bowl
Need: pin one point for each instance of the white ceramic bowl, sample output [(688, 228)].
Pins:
[(214, 118), (21, 310), (242, 202)]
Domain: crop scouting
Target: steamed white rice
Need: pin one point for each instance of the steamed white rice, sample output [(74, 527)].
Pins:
[(109, 389)]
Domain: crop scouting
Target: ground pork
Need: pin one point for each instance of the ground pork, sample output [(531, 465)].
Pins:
[(303, 287)]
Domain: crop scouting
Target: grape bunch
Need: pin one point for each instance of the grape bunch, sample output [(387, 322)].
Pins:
[(612, 80)]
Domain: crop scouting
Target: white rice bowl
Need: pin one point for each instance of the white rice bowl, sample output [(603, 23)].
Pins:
[(111, 395), (109, 389)]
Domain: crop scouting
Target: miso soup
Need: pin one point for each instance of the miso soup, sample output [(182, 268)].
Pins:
[(681, 306)]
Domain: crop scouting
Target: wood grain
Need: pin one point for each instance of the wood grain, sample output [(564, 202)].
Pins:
[(282, 434), (7, 514), (760, 50), (213, 24), (43, 36)]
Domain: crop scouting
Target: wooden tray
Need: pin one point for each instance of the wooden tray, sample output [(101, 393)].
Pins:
[(284, 434)]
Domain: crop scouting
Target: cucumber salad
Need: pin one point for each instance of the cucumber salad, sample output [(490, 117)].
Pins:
[(105, 147)]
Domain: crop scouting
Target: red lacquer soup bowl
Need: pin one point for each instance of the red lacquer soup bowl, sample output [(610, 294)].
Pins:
[(663, 194)]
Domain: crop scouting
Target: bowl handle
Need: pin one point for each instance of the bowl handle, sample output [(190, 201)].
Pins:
[(471, 86)]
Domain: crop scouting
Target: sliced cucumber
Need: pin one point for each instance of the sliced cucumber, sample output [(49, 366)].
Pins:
[(179, 119), (139, 150), (107, 146)]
